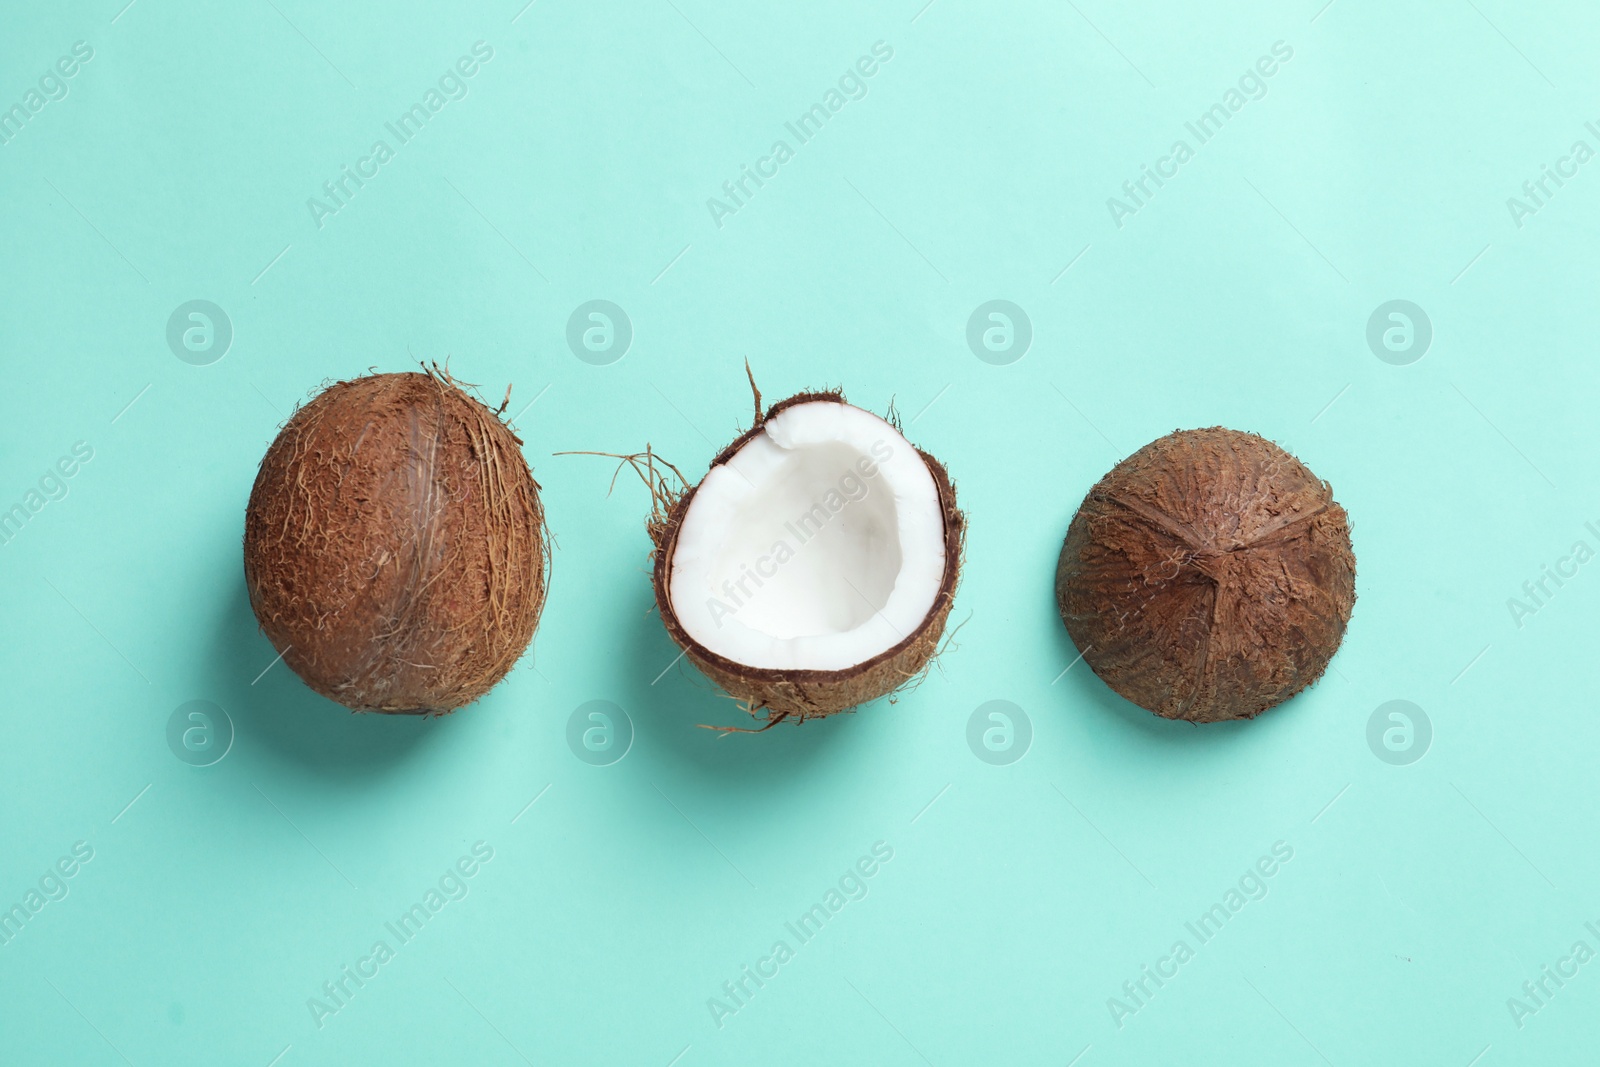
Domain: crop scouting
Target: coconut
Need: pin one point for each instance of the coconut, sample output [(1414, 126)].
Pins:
[(395, 548), (1208, 576), (812, 569)]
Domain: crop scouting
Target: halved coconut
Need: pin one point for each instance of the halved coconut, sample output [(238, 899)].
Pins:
[(813, 568)]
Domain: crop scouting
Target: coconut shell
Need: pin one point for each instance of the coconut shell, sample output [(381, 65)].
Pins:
[(395, 548), (1208, 576), (799, 695)]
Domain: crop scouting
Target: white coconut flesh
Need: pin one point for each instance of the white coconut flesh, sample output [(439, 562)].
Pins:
[(817, 546)]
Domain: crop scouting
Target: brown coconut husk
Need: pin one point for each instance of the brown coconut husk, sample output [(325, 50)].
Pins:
[(798, 695), (395, 546), (1208, 576)]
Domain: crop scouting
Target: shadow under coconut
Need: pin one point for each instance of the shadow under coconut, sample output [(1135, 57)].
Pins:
[(280, 715), (669, 715)]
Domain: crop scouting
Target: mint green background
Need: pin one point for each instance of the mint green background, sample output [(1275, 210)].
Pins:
[(1376, 168)]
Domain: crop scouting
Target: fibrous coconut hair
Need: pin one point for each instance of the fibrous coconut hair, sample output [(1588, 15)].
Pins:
[(1208, 576), (395, 546)]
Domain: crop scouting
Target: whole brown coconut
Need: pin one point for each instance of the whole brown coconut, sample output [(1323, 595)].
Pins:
[(1208, 576), (797, 694), (395, 548)]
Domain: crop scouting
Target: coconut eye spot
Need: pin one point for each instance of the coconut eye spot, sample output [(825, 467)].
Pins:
[(811, 550), (818, 545)]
